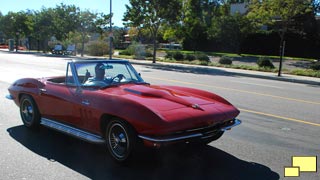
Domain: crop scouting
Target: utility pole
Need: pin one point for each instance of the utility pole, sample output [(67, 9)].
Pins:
[(282, 48), (110, 35)]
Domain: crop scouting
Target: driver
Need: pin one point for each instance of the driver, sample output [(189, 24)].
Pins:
[(100, 72), (100, 75), (99, 78)]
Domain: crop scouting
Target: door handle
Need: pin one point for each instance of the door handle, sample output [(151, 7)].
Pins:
[(85, 102), (42, 90)]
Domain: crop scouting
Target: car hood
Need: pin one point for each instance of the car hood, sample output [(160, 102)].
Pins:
[(162, 99), (178, 108)]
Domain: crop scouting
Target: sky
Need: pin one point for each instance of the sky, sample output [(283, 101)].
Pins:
[(118, 6)]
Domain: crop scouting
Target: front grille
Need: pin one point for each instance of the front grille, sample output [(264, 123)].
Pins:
[(206, 131), (195, 133)]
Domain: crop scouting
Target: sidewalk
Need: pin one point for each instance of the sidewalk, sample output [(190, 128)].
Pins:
[(235, 72)]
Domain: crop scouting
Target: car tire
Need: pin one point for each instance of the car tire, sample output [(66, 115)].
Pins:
[(29, 112), (120, 140)]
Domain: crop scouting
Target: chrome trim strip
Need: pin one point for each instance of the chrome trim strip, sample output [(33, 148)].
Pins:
[(236, 123), (10, 97), (72, 131), (170, 139)]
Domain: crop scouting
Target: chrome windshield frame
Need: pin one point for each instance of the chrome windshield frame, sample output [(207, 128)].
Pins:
[(94, 61)]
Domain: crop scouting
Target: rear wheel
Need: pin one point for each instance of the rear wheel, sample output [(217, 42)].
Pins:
[(121, 139), (29, 112)]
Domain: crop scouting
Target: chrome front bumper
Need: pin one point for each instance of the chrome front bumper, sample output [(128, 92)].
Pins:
[(10, 97), (235, 122)]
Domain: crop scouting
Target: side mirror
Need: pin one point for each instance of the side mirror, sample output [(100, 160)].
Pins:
[(139, 74)]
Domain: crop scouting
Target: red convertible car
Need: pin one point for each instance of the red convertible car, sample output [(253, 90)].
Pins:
[(106, 101)]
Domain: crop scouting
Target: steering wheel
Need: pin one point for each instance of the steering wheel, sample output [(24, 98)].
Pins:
[(118, 78)]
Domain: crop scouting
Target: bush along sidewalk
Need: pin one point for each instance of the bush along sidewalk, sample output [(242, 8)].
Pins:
[(225, 60), (178, 56), (263, 64)]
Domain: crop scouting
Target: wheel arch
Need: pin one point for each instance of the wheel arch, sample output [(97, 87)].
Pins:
[(106, 118), (135, 114), (25, 94)]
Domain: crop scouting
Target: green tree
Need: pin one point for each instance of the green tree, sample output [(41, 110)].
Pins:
[(1, 26), (171, 33), (229, 31), (16, 25), (7, 25), (65, 19), (197, 18), (87, 23), (151, 14), (85, 26), (43, 27), (118, 36), (281, 15), (102, 22)]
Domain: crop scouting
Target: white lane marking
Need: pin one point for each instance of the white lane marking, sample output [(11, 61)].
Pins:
[(256, 84)]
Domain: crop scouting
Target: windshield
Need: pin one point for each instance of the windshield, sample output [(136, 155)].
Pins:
[(103, 74)]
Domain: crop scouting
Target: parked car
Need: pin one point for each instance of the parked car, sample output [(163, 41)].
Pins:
[(58, 49), (71, 50), (107, 101)]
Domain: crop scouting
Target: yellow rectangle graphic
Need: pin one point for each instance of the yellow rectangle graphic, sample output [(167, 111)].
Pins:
[(306, 164), (291, 172)]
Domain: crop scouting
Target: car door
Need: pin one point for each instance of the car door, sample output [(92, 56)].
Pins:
[(89, 110), (61, 101), (57, 101)]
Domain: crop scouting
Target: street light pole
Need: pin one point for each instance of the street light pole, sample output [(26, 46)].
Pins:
[(17, 40), (110, 35), (282, 48)]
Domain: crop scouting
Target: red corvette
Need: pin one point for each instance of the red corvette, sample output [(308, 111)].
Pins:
[(106, 101)]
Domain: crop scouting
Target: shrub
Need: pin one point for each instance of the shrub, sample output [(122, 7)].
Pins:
[(149, 54), (131, 49), (225, 60), (125, 52), (265, 62), (315, 66), (203, 57), (204, 63), (306, 72), (178, 56), (137, 50), (97, 48), (190, 57), (169, 55)]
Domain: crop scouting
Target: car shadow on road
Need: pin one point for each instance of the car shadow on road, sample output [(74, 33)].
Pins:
[(94, 162)]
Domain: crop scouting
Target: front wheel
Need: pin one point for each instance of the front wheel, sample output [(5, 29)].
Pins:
[(120, 139), (29, 112)]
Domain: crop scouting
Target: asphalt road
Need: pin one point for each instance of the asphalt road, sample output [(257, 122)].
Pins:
[(280, 120)]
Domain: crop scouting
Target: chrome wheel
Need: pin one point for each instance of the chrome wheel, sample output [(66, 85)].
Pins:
[(120, 139), (29, 112)]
